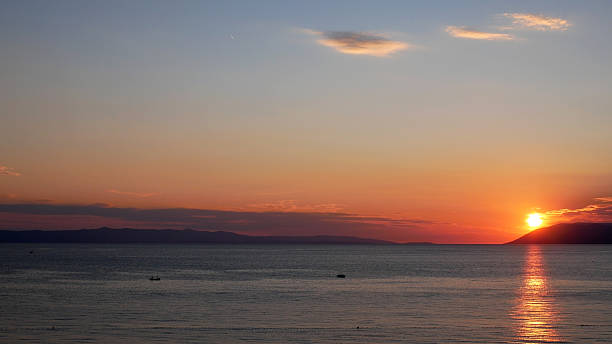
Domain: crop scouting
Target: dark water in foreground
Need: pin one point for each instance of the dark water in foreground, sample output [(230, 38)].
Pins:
[(280, 294)]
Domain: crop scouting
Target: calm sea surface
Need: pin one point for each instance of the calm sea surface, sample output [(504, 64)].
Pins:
[(279, 294)]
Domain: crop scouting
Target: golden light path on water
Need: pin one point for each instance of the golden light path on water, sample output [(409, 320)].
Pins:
[(535, 315)]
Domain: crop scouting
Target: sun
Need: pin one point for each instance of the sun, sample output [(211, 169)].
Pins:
[(534, 220)]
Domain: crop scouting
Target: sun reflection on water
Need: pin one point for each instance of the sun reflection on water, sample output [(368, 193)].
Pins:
[(535, 314)]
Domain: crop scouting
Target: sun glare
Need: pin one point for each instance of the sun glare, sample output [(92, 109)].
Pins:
[(534, 220)]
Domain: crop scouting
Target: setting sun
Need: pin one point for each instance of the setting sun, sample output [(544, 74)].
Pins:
[(534, 220)]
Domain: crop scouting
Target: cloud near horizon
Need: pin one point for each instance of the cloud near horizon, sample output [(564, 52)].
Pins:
[(537, 22), (598, 211), (468, 33), (8, 171), (359, 43), (54, 216), (290, 205), (133, 194)]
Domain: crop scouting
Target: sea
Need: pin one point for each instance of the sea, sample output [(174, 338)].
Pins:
[(99, 293)]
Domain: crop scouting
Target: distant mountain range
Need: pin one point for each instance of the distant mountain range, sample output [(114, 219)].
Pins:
[(170, 236), (569, 233), (564, 233)]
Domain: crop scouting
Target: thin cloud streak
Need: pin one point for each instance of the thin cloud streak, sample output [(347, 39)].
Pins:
[(464, 32), (291, 205), (8, 171), (133, 194), (359, 43), (538, 22)]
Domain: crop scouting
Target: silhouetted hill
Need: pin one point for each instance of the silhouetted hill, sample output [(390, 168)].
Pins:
[(187, 236), (569, 233)]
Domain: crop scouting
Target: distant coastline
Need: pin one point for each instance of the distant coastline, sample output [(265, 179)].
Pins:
[(173, 236), (565, 233)]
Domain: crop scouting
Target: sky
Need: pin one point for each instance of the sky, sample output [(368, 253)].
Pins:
[(444, 121)]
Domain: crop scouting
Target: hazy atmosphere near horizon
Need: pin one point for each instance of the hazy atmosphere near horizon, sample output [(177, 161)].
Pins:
[(305, 171)]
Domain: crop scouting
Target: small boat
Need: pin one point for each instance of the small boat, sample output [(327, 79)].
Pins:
[(341, 276), (154, 278)]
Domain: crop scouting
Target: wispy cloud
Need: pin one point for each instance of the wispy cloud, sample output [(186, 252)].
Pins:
[(8, 171), (359, 43), (133, 194), (599, 211), (464, 32), (538, 22), (291, 205)]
